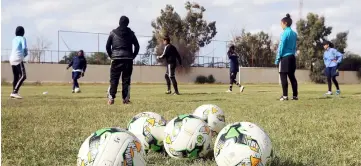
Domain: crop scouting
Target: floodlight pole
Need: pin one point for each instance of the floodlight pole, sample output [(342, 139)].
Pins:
[(58, 45)]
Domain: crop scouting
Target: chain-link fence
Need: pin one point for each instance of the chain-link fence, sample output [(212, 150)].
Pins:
[(54, 56)]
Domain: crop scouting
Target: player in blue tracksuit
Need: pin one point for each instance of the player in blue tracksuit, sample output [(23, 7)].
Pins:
[(233, 68), (18, 53), (286, 59), (332, 58), (79, 65)]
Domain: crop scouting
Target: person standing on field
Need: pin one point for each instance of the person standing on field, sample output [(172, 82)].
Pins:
[(286, 59), (18, 53), (79, 65), (233, 68), (332, 58), (171, 55), (120, 50)]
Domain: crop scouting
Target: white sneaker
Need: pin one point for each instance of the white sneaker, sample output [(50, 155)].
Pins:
[(328, 93), (241, 88), (228, 91), (15, 96), (77, 90)]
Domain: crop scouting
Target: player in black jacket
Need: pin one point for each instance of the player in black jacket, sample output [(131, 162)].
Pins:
[(171, 55), (120, 49)]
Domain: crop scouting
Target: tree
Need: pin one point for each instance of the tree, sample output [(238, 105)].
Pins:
[(99, 58), (255, 50), (188, 34), (67, 58), (38, 49), (340, 41), (311, 33)]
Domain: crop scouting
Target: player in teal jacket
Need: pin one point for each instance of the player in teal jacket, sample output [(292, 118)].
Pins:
[(286, 59)]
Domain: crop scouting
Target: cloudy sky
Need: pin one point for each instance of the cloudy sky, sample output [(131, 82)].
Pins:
[(46, 17)]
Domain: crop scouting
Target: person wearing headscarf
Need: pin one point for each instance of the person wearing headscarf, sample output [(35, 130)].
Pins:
[(79, 65), (18, 53), (233, 68)]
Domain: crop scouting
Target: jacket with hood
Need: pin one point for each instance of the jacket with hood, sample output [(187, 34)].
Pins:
[(78, 63), (19, 47), (121, 40)]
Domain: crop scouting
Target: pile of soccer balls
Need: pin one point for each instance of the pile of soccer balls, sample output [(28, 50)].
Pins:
[(185, 136)]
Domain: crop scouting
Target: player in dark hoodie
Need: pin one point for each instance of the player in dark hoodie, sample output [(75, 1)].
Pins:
[(79, 65), (120, 49)]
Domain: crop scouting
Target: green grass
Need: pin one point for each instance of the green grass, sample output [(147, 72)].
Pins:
[(49, 129)]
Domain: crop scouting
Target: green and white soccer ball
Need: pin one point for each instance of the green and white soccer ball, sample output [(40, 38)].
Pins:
[(187, 136), (213, 115), (148, 127), (243, 144), (111, 146)]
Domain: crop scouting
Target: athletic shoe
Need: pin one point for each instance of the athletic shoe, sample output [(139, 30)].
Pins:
[(72, 91), (294, 98), (283, 98), (168, 92), (126, 101), (338, 92), (15, 96), (229, 91), (110, 101), (241, 88), (176, 93), (328, 93)]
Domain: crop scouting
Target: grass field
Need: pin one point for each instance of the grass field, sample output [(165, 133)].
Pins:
[(49, 129)]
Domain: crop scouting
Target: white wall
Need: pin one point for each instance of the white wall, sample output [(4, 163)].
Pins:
[(155, 74)]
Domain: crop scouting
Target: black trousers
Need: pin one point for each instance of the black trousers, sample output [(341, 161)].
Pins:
[(329, 78), (19, 76), (123, 68), (232, 78), (287, 68), (170, 77)]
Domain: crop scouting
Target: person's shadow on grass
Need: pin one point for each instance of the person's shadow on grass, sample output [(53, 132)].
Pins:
[(276, 161)]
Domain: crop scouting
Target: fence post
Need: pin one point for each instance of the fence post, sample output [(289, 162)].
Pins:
[(58, 45)]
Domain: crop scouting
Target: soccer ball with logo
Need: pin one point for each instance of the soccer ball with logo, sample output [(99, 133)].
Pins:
[(213, 115), (111, 146), (148, 127), (243, 144), (187, 136)]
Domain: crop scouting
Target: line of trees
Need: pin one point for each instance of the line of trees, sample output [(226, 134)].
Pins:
[(192, 32)]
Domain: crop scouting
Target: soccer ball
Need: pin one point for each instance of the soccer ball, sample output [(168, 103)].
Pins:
[(111, 146), (187, 136), (243, 143), (148, 127), (213, 115), (77, 90)]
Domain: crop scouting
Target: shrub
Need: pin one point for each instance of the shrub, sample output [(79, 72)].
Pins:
[(359, 73), (317, 72), (211, 79), (201, 80)]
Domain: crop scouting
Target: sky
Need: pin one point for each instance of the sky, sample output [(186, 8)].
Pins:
[(44, 18)]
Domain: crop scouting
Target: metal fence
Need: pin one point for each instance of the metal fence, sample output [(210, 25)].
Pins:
[(55, 56)]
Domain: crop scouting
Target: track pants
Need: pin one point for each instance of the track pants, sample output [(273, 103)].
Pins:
[(284, 82), (170, 77), (120, 68), (19, 76), (75, 76)]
